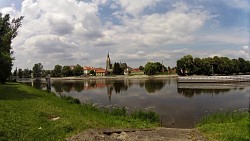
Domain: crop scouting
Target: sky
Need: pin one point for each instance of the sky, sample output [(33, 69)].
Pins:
[(70, 32)]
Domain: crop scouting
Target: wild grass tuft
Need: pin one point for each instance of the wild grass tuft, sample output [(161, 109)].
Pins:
[(227, 125), (146, 115)]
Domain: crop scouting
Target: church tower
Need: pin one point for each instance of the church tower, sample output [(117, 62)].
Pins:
[(108, 63)]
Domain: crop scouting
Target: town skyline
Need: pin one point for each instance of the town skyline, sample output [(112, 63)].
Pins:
[(70, 32)]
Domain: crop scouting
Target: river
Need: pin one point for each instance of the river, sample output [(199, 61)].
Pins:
[(180, 105)]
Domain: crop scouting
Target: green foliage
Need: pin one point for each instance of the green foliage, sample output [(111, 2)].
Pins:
[(119, 112), (146, 115), (78, 70), (207, 66), (8, 31), (117, 69), (71, 100), (152, 68), (141, 68), (27, 73), (92, 72), (66, 71), (57, 72), (37, 70), (27, 113), (226, 125)]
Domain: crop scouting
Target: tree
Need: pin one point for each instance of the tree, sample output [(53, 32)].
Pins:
[(117, 69), (150, 68), (66, 71), (57, 71), (159, 67), (37, 70), (141, 68), (8, 31), (20, 73), (26, 73), (197, 66), (92, 72), (78, 70)]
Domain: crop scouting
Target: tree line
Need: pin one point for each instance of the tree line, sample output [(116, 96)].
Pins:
[(58, 71), (188, 65)]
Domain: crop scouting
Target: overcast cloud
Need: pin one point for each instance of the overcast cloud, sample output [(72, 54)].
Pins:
[(70, 32)]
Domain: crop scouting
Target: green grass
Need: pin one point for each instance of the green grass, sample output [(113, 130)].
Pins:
[(26, 114), (226, 126)]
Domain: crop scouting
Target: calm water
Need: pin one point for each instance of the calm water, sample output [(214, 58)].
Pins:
[(179, 105)]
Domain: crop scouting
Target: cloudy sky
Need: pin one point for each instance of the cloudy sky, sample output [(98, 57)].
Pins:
[(70, 32)]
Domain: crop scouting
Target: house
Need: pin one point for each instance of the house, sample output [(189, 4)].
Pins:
[(87, 69), (100, 71)]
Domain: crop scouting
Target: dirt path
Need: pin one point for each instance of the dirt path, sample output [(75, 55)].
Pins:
[(158, 134)]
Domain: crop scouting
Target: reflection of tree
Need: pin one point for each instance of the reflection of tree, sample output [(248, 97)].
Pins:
[(67, 87), (141, 84), (37, 84), (153, 85), (79, 86), (191, 92), (119, 86), (58, 86)]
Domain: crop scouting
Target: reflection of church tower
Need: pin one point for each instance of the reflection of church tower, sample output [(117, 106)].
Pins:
[(108, 64)]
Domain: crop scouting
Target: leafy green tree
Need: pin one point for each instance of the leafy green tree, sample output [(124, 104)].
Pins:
[(15, 72), (215, 63), (92, 72), (207, 68), (47, 72), (235, 65), (117, 69), (66, 71), (78, 70), (20, 73), (242, 65), (8, 31), (197, 66), (159, 66), (57, 71), (26, 73), (37, 70), (150, 68), (185, 65), (141, 68)]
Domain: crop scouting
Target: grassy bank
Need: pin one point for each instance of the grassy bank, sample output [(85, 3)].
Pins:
[(30, 114), (226, 126)]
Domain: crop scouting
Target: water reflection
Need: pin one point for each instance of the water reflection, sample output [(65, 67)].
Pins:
[(151, 86), (192, 92), (179, 105)]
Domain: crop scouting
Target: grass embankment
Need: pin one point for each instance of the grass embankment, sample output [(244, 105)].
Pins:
[(27, 114), (228, 126)]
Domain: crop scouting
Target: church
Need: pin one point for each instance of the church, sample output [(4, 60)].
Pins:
[(109, 66)]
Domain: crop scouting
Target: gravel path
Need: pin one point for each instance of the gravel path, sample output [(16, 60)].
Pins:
[(158, 134)]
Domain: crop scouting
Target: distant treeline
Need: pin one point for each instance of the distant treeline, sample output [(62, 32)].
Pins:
[(188, 65)]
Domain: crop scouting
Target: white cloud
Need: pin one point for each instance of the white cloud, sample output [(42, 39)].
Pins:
[(136, 7), (245, 48), (56, 30), (69, 32), (240, 4)]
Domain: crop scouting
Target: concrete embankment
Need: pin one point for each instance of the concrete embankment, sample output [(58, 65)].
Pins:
[(214, 79)]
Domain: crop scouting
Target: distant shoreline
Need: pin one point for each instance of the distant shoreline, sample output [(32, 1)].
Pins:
[(115, 77)]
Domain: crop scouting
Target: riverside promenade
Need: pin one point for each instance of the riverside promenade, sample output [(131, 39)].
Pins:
[(214, 79)]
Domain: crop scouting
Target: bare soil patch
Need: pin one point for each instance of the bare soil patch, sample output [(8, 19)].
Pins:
[(157, 134)]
